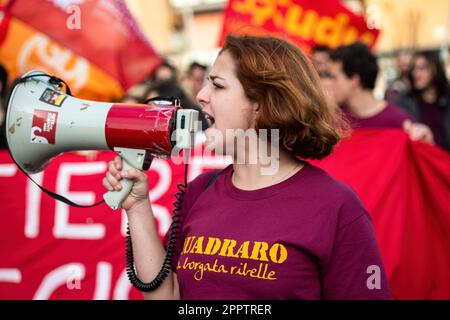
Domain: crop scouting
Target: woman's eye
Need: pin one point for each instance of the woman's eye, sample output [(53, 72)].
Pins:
[(218, 86)]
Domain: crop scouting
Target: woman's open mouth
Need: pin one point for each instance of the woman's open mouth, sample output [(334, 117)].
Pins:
[(210, 120)]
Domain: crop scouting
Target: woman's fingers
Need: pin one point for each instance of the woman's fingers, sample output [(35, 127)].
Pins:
[(115, 174), (107, 185), (133, 174), (118, 162), (113, 170), (113, 181)]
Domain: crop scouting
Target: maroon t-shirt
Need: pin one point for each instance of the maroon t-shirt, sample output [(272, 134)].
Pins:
[(308, 237), (390, 117)]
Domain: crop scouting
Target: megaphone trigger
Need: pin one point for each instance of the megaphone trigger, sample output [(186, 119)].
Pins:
[(132, 158)]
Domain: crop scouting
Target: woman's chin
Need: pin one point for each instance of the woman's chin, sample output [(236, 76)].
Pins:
[(209, 147), (211, 130)]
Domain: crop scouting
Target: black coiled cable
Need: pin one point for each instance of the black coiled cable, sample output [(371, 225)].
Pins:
[(171, 246)]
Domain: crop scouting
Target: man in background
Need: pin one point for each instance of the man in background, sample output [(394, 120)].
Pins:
[(354, 70)]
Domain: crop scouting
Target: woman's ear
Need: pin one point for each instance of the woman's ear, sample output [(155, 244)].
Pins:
[(257, 110), (256, 107)]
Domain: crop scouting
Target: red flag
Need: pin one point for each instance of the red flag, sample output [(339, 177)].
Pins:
[(4, 23), (306, 23), (101, 38)]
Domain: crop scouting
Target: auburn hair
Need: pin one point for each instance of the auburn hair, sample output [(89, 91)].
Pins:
[(279, 77)]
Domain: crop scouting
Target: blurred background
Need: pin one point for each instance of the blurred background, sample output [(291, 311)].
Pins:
[(190, 30)]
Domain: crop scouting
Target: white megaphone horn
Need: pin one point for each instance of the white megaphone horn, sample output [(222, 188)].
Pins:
[(43, 122)]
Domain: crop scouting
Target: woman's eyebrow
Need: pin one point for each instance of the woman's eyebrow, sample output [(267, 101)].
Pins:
[(213, 77)]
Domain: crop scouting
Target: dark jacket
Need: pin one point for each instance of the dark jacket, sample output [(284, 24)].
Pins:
[(410, 103)]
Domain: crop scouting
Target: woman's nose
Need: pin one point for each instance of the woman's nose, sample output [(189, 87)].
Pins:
[(203, 96)]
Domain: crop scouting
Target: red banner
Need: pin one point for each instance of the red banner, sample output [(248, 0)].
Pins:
[(306, 23), (51, 251), (96, 46), (406, 187)]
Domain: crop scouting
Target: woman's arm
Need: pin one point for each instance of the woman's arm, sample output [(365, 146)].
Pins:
[(148, 251)]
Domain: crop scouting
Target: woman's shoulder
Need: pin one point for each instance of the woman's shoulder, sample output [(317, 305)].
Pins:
[(318, 177), (338, 199), (333, 191)]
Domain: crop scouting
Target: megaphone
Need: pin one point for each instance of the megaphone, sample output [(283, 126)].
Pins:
[(43, 122)]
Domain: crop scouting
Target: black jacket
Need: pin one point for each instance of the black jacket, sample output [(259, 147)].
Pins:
[(410, 104)]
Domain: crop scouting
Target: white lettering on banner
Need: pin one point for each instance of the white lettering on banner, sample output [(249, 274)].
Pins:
[(10, 275), (123, 223), (32, 206), (123, 287), (160, 189), (103, 281), (8, 170), (58, 277), (71, 275), (55, 58), (63, 229), (162, 215)]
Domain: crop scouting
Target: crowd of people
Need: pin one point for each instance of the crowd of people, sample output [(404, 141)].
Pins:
[(417, 101)]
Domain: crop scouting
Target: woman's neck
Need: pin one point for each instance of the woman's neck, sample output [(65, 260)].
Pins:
[(258, 175)]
